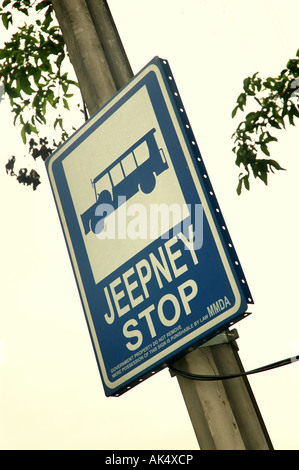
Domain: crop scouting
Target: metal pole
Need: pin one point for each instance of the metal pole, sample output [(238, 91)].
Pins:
[(224, 414)]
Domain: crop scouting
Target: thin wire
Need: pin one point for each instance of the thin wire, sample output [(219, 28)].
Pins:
[(274, 365)]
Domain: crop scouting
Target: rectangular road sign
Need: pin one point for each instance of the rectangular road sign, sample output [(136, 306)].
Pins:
[(154, 263)]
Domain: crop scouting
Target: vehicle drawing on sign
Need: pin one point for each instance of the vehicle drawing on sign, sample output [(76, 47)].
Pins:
[(136, 169)]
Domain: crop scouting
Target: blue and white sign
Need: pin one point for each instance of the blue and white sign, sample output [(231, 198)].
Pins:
[(155, 266)]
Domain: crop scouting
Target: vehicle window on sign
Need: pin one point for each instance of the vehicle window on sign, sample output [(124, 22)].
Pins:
[(116, 174), (128, 164), (141, 153)]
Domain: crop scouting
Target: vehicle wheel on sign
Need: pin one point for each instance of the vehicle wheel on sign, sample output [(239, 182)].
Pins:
[(103, 209), (96, 225), (105, 197), (148, 183)]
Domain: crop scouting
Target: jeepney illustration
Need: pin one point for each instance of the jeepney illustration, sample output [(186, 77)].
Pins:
[(136, 169)]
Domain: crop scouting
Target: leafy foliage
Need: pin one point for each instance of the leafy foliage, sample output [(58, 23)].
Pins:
[(31, 68), (36, 150), (277, 100)]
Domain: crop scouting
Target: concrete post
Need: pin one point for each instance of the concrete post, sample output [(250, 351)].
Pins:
[(224, 414)]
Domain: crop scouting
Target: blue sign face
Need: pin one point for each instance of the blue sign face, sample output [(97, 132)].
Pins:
[(155, 266)]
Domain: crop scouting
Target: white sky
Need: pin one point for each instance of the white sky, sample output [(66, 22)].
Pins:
[(51, 396)]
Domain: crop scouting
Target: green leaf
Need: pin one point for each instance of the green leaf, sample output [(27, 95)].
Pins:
[(264, 177), (246, 182), (23, 134), (33, 129), (295, 110), (50, 97), (243, 179), (275, 164), (239, 187), (293, 65), (270, 138), (25, 85), (65, 104), (12, 92), (3, 54), (64, 87), (241, 100), (27, 128), (241, 155), (234, 111), (246, 83), (291, 118), (37, 75), (264, 149), (42, 4), (43, 110), (251, 116), (6, 19), (274, 123), (58, 121), (47, 22)]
